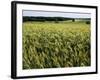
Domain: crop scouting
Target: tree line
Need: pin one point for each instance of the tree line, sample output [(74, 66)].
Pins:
[(42, 19), (55, 19)]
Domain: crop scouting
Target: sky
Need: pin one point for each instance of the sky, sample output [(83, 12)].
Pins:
[(56, 14)]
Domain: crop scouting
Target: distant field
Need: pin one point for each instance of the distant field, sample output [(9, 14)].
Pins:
[(54, 45)]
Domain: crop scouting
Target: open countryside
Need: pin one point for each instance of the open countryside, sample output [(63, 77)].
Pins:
[(55, 42)]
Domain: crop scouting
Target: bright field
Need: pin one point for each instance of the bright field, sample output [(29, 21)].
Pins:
[(54, 45)]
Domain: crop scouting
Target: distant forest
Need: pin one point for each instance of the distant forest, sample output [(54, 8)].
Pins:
[(55, 19)]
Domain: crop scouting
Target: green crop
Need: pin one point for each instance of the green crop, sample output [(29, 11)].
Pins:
[(54, 45)]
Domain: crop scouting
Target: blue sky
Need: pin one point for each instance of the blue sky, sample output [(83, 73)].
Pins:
[(56, 14)]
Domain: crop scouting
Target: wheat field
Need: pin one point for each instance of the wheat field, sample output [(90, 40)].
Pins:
[(56, 45)]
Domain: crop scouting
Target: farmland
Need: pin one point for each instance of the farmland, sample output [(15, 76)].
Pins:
[(55, 45)]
